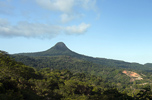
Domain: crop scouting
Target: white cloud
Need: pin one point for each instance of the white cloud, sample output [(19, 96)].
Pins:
[(69, 11), (3, 22), (26, 29), (68, 8), (88, 4), (57, 5), (29, 30), (77, 29)]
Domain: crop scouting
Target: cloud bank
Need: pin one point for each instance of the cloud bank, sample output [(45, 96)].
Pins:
[(38, 30), (68, 11)]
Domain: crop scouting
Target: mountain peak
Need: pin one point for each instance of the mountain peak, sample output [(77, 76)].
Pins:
[(60, 46), (58, 49)]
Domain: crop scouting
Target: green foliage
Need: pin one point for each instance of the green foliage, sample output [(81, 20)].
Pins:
[(60, 49), (111, 76), (60, 57), (20, 82)]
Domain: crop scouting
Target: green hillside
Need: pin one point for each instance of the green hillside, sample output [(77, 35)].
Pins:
[(61, 49), (59, 57), (20, 82)]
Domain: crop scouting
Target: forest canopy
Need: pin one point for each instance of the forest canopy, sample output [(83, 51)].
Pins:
[(21, 82)]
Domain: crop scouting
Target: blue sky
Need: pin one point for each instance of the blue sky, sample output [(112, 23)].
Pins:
[(113, 29)]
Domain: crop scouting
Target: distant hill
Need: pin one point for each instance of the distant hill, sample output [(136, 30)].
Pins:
[(21, 82), (60, 57), (61, 49)]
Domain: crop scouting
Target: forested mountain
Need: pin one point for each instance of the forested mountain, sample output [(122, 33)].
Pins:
[(127, 77), (61, 49), (20, 82)]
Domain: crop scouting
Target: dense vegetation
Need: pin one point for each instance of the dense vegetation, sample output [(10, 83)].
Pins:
[(61, 49), (60, 57), (61, 74), (20, 82), (110, 75)]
